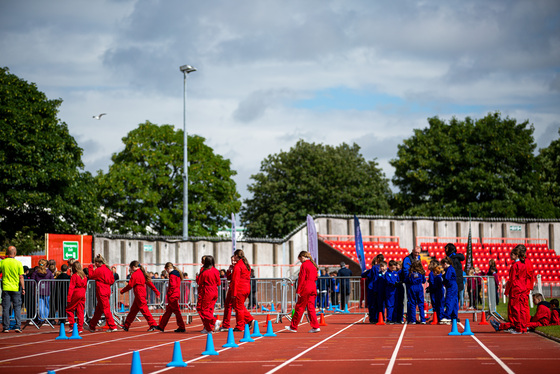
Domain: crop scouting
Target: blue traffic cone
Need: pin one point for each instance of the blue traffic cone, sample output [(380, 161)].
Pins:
[(136, 367), (51, 372), (121, 310), (246, 335), (346, 309), (75, 333), (177, 360), (230, 340), (269, 331), (210, 351), (467, 330), (272, 307), (454, 331), (263, 309), (256, 331), (62, 333)]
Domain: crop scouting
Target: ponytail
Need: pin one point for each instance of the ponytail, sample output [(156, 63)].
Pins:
[(239, 253), (170, 265), (308, 256), (208, 264), (146, 275)]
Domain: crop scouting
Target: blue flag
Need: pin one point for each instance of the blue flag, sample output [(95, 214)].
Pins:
[(233, 234), (359, 244), (312, 242)]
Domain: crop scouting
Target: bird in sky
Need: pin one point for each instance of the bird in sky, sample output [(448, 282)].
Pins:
[(99, 116)]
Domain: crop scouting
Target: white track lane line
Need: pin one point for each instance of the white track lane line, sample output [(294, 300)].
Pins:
[(395, 352), (310, 349), (496, 358), (123, 354), (221, 350)]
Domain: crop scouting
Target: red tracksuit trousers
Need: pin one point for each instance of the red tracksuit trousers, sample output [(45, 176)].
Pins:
[(103, 307), (172, 308), (76, 305), (139, 305), (305, 301)]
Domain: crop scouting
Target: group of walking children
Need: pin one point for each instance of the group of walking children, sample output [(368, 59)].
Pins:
[(385, 291)]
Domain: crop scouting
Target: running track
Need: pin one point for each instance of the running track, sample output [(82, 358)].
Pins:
[(345, 344)]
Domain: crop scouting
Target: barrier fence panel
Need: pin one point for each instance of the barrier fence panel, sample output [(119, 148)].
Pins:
[(28, 303)]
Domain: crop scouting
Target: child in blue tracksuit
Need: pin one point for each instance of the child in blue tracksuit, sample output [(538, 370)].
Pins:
[(399, 295), (415, 280), (371, 277), (437, 292), (451, 301), (379, 290), (391, 281)]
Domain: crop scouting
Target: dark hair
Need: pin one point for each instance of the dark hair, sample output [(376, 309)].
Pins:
[(379, 258), (554, 303), (64, 268), (433, 264), (208, 263), (446, 260), (521, 252), (137, 264), (239, 253), (392, 263), (492, 265), (416, 267), (450, 249)]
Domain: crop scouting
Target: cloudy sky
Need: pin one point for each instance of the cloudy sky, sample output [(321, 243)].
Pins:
[(272, 72)]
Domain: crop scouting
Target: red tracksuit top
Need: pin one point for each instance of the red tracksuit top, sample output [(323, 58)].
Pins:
[(138, 283), (103, 277), (307, 279), (77, 287), (542, 316), (517, 283), (240, 279), (174, 286), (555, 316), (208, 282)]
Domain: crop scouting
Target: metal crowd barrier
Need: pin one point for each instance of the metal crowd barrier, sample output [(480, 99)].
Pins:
[(45, 301)]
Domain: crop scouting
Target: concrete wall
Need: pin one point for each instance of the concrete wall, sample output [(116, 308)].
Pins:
[(274, 257)]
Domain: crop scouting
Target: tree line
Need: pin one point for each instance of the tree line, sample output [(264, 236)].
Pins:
[(484, 167)]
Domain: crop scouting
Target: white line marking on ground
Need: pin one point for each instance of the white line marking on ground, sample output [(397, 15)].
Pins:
[(310, 349), (395, 352), (496, 358)]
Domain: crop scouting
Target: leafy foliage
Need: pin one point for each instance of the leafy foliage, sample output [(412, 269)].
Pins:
[(485, 167), (549, 163), (143, 191), (42, 187), (310, 179)]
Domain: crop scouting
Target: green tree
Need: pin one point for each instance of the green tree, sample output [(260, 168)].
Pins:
[(549, 176), (43, 188), (485, 167), (310, 179), (143, 191)]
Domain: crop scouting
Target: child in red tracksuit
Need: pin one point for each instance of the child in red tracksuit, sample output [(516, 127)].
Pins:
[(138, 282), (554, 312), (76, 296), (542, 316), (103, 277), (208, 281), (306, 292), (173, 295), (240, 289), (516, 289), (228, 303)]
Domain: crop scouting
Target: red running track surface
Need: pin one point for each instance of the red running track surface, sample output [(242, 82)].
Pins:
[(345, 344)]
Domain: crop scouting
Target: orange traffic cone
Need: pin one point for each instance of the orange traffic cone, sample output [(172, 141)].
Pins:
[(322, 320), (434, 319), (483, 320), (267, 319), (380, 319)]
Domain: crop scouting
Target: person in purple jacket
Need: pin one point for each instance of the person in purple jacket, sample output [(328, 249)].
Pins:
[(415, 279), (43, 273)]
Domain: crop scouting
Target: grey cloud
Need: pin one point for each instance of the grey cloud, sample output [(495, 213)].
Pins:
[(549, 134), (255, 105)]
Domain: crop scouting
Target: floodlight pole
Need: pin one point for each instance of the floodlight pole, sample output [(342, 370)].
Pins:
[(186, 69)]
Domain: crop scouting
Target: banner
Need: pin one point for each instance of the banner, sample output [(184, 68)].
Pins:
[(312, 243), (359, 244), (469, 262), (233, 234)]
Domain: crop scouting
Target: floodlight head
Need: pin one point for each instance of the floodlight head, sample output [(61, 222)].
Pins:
[(187, 69)]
